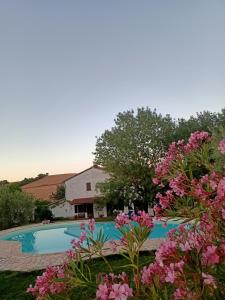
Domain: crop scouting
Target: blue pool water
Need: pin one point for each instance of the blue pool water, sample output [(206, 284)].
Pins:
[(57, 238)]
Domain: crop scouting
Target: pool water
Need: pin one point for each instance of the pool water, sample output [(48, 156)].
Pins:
[(57, 238)]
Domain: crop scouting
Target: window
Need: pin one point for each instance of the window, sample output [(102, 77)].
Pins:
[(88, 186)]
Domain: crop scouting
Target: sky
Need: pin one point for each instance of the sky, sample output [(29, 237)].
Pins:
[(68, 67)]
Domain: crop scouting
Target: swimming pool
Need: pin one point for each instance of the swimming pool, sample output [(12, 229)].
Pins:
[(57, 238)]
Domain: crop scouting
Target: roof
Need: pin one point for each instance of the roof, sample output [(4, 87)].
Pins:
[(49, 180), (92, 167), (44, 192)]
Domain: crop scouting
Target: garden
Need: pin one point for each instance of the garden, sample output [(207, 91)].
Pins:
[(190, 262)]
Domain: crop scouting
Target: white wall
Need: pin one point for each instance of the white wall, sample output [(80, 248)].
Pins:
[(63, 210), (76, 186)]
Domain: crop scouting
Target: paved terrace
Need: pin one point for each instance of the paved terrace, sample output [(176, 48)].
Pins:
[(12, 259)]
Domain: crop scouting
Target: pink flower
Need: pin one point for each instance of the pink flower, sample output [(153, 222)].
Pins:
[(123, 276), (91, 224), (165, 200), (221, 189), (102, 292), (210, 257), (185, 247), (223, 213), (195, 140), (171, 233), (70, 253), (83, 236), (47, 284), (75, 243), (120, 291), (121, 220), (155, 180), (143, 219), (113, 245), (177, 185), (170, 275), (157, 210), (209, 280), (221, 147), (82, 225), (166, 250), (179, 294), (154, 269)]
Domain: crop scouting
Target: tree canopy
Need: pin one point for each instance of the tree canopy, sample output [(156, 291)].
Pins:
[(130, 149)]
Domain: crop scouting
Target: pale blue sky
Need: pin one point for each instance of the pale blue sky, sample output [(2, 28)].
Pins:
[(68, 67)]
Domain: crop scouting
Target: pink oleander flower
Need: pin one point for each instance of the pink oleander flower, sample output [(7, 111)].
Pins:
[(221, 146), (102, 292), (155, 181), (171, 233), (177, 185), (174, 152), (123, 276), (222, 248), (223, 213), (173, 271), (205, 223), (166, 249), (113, 245), (121, 220), (120, 291), (75, 243), (221, 189), (143, 219), (210, 256), (47, 284), (170, 275), (209, 280), (196, 140), (123, 240), (82, 225), (148, 273), (83, 236), (91, 224), (70, 253), (157, 210), (166, 199), (185, 247), (179, 294)]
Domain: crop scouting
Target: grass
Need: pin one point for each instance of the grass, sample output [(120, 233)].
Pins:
[(13, 285)]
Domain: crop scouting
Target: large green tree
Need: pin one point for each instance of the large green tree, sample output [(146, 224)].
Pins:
[(205, 120), (129, 152), (16, 207)]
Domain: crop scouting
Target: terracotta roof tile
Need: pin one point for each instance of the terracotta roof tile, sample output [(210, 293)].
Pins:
[(42, 192), (49, 180)]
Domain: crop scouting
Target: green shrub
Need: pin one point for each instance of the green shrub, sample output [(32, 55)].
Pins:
[(42, 211), (16, 207)]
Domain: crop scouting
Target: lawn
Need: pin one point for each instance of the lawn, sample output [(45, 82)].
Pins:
[(13, 284)]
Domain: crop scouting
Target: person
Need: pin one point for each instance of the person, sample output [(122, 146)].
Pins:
[(130, 212)]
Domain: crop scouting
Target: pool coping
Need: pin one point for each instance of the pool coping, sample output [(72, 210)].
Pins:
[(13, 259)]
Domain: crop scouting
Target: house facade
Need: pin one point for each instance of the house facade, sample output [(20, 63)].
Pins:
[(81, 192)]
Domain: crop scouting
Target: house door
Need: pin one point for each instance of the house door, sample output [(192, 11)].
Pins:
[(81, 209)]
